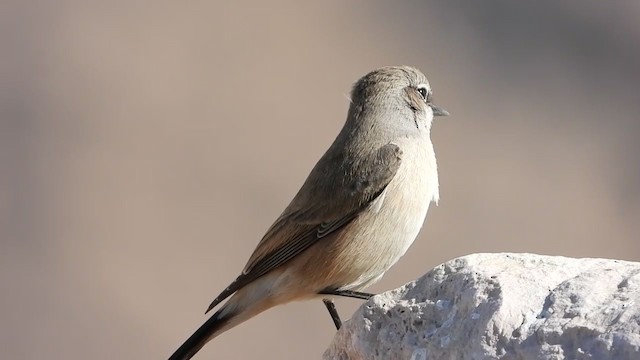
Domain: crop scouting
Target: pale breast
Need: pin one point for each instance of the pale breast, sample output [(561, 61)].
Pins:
[(411, 191), (383, 234)]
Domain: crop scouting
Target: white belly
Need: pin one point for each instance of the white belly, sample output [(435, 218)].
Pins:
[(397, 216)]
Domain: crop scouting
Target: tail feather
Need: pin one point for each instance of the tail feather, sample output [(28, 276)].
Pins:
[(243, 305), (210, 329)]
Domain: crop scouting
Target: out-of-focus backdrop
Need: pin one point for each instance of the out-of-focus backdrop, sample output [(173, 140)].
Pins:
[(145, 147)]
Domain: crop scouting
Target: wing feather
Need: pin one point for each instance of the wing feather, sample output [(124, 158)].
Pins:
[(320, 208)]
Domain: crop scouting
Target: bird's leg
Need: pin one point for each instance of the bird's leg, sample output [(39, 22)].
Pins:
[(333, 312), (348, 293), (332, 307)]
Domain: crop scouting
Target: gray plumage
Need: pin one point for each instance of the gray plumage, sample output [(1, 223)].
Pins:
[(359, 210)]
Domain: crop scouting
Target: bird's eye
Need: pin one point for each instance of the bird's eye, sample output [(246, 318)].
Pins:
[(423, 92)]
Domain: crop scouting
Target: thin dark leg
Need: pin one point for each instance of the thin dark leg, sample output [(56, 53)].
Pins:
[(333, 312), (347, 293)]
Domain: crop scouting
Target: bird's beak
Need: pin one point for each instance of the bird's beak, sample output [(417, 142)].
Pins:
[(438, 111)]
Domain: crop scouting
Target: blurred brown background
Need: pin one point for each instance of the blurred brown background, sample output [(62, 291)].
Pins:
[(145, 147)]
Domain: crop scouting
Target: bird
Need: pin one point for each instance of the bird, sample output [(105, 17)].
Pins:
[(361, 207)]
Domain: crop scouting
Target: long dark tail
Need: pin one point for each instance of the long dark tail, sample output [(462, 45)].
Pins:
[(212, 327)]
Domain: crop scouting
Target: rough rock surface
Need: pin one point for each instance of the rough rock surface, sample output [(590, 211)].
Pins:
[(507, 306)]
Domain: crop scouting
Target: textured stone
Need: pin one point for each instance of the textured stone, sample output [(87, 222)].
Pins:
[(508, 306)]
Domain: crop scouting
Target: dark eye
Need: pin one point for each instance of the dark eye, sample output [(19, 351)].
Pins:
[(423, 92)]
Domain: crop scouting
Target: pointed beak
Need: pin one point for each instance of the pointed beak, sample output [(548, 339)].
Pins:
[(438, 111)]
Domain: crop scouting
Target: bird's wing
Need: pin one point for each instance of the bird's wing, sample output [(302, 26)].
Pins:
[(334, 194)]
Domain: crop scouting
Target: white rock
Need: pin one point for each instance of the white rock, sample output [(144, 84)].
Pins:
[(507, 306)]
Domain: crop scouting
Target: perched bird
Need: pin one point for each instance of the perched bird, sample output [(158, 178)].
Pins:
[(359, 210)]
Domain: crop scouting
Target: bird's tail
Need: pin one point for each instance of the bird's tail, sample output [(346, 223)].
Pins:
[(243, 305), (216, 325)]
